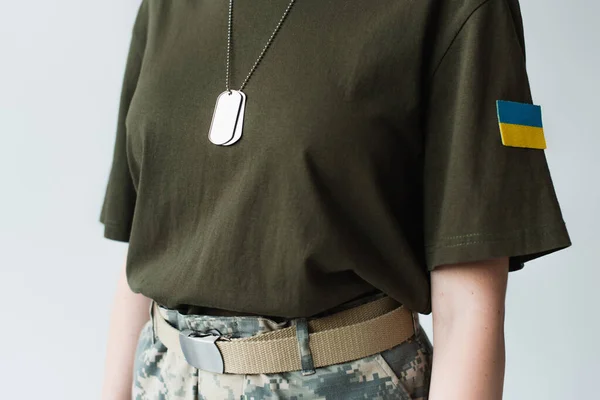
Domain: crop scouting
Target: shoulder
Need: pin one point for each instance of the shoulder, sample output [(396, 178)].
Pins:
[(483, 20)]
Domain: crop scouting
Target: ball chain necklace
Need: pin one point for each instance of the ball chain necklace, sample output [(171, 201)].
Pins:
[(228, 115)]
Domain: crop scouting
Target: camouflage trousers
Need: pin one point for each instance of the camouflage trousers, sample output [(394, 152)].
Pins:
[(400, 373)]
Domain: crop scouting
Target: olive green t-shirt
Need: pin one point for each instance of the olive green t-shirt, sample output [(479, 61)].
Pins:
[(371, 153)]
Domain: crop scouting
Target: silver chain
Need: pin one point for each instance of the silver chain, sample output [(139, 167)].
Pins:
[(263, 50)]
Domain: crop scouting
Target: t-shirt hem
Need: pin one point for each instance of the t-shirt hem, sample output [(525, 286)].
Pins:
[(115, 231), (520, 245)]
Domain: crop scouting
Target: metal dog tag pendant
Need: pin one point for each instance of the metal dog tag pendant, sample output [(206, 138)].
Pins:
[(228, 118), (240, 121)]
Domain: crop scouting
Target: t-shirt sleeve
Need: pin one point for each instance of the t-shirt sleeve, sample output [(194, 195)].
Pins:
[(120, 196), (484, 199)]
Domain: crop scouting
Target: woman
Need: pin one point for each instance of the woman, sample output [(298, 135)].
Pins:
[(370, 157)]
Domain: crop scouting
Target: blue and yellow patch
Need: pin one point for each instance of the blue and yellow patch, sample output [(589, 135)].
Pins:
[(521, 124)]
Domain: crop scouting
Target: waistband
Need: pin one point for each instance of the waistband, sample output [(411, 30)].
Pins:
[(237, 351), (245, 326)]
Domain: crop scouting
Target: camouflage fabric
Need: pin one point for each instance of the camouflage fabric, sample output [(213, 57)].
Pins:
[(400, 373)]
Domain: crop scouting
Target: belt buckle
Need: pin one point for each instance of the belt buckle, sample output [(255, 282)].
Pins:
[(201, 351)]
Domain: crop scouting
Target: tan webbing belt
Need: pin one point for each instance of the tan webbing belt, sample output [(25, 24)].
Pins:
[(344, 336)]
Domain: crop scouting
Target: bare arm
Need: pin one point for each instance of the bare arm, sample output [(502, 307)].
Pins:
[(468, 330), (129, 313)]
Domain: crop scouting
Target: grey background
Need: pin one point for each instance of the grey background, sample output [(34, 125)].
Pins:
[(60, 74)]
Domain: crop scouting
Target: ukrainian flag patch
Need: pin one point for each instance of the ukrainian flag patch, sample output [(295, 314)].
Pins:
[(520, 124)]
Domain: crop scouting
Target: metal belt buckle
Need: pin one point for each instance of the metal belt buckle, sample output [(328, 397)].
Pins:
[(201, 351)]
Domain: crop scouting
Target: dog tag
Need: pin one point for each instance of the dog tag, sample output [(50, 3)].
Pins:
[(240, 122), (224, 124)]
